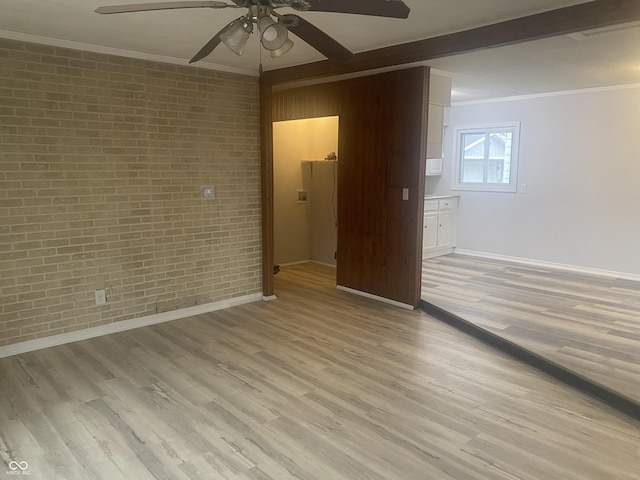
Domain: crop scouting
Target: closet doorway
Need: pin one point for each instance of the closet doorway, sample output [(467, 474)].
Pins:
[(305, 184)]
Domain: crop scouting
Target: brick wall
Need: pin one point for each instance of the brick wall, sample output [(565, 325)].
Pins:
[(101, 163)]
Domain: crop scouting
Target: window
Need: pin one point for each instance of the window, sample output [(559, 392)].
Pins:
[(487, 158)]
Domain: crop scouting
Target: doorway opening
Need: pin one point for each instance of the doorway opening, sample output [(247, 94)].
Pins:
[(305, 184)]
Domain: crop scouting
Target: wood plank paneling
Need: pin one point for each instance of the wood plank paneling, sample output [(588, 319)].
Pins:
[(308, 102), (382, 134)]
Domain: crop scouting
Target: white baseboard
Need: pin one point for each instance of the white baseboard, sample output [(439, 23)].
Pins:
[(376, 297), (322, 263), (437, 253), (541, 263), (291, 264), (75, 336)]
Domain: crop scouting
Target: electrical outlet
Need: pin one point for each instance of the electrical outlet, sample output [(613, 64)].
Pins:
[(101, 297), (208, 192)]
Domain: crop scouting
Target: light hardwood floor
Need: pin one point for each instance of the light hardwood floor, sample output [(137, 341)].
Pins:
[(319, 384), (587, 323)]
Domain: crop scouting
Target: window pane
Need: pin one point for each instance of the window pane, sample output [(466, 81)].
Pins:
[(486, 158), (499, 170), (472, 161)]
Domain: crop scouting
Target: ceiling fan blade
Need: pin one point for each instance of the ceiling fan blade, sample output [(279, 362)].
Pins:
[(145, 7), (378, 8), (211, 44), (316, 38)]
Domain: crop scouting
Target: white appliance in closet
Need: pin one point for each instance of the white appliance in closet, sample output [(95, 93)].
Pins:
[(323, 207)]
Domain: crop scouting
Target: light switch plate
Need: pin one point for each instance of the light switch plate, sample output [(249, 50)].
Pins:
[(101, 297), (405, 194)]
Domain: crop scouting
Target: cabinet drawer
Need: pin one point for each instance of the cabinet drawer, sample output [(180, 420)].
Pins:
[(445, 204), (430, 205)]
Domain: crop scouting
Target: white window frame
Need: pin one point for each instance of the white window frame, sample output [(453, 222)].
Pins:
[(512, 186)]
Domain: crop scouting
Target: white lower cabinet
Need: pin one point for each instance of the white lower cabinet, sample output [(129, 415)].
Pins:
[(439, 235), (430, 235)]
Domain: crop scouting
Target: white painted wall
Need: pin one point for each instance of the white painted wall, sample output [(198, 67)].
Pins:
[(292, 241), (293, 142), (580, 160)]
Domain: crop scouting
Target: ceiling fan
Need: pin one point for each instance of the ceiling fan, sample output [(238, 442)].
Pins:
[(274, 33)]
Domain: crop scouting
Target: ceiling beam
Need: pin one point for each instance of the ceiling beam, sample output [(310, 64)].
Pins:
[(576, 18)]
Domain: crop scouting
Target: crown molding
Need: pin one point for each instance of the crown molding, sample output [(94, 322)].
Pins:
[(88, 47), (560, 93)]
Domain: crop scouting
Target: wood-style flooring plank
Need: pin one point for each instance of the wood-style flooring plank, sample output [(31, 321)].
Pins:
[(587, 323), (318, 384)]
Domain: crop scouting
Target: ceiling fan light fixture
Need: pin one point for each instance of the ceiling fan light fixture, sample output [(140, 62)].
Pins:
[(273, 27), (282, 50), (236, 37), (273, 36)]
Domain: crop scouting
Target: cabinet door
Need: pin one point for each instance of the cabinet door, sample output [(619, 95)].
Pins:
[(434, 131), (435, 123), (434, 166), (444, 229), (430, 233)]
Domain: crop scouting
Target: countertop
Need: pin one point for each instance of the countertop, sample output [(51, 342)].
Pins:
[(437, 197)]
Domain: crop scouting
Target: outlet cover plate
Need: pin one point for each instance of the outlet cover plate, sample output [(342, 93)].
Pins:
[(207, 192)]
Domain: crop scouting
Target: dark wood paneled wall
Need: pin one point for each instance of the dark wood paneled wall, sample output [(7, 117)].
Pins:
[(321, 100), (382, 150)]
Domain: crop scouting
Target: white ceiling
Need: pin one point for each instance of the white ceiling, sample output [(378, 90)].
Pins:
[(549, 65)]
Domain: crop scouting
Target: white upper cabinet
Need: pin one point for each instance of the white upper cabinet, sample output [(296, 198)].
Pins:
[(439, 98), (435, 128), (440, 88)]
